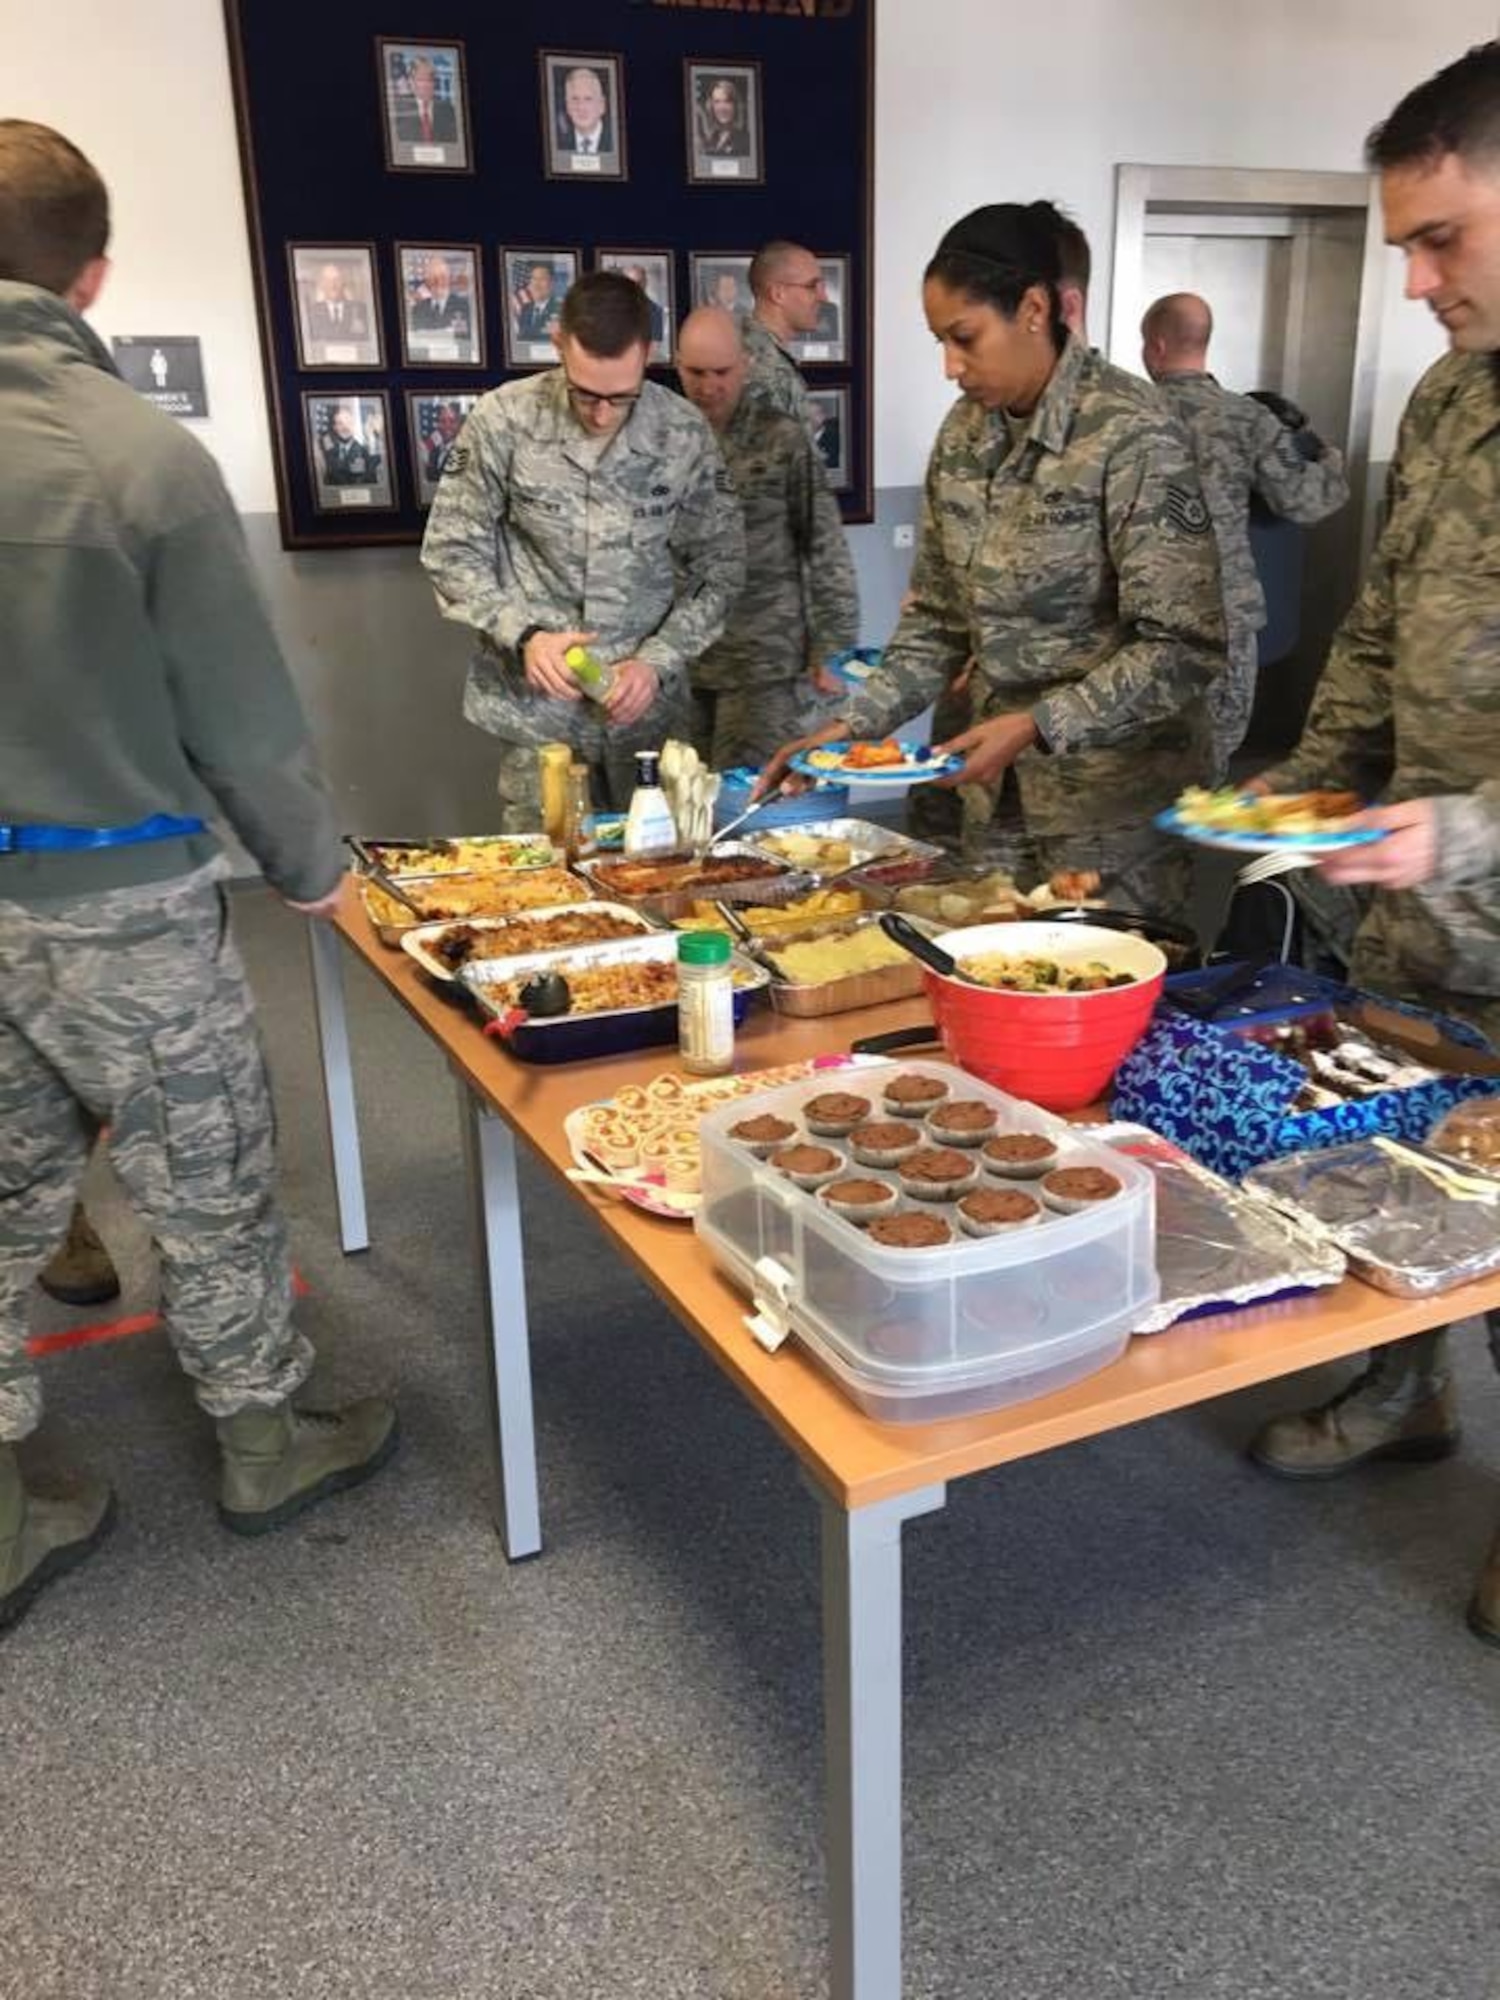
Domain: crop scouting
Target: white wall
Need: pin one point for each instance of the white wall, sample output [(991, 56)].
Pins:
[(976, 101), (145, 93), (980, 102)]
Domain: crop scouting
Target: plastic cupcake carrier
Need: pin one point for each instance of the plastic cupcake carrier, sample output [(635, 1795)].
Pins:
[(921, 1335)]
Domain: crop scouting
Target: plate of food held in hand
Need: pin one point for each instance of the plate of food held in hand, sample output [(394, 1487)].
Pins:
[(884, 763), (1269, 823)]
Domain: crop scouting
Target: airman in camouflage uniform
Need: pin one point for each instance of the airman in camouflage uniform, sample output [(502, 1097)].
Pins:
[(787, 283), (143, 682), (1408, 710), (1072, 554), (1242, 452), (800, 603), (636, 537)]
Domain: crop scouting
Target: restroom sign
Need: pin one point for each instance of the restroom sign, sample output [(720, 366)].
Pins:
[(165, 368)]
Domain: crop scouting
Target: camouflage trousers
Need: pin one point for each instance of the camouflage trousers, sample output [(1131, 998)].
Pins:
[(1231, 698), (936, 812), (609, 755), (743, 725), (130, 1009)]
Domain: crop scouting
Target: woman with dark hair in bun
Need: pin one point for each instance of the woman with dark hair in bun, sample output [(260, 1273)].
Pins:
[(1066, 546)]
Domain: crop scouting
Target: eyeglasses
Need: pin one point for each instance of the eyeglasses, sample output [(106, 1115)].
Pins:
[(804, 284), (590, 399)]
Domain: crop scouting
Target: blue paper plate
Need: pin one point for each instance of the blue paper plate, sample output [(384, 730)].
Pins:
[(855, 667), (1172, 821), (919, 768)]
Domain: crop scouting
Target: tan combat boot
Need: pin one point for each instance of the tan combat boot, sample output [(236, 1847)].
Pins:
[(82, 1273), (1402, 1406), (1484, 1605), (40, 1539), (279, 1462)]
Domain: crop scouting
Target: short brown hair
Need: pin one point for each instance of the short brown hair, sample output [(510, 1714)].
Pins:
[(607, 314), (54, 209), (1456, 111)]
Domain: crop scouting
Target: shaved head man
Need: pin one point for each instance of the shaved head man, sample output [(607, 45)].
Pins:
[(800, 603), (1243, 453), (1175, 334)]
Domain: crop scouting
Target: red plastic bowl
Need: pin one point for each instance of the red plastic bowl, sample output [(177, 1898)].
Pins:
[(1058, 1050)]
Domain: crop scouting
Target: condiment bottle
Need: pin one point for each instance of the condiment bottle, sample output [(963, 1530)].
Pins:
[(555, 760), (705, 1003), (581, 841), (592, 674), (649, 825)]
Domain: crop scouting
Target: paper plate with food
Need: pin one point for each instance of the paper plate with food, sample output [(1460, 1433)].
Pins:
[(1268, 823), (887, 762)]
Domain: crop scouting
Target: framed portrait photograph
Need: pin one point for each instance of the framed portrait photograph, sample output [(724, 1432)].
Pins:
[(442, 314), (725, 132), (831, 409), (652, 271), (720, 278), (434, 420), (829, 339), (348, 450), (338, 308), (535, 283), (583, 116), (426, 113)]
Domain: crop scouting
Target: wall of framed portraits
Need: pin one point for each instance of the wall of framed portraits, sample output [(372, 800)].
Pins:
[(415, 228)]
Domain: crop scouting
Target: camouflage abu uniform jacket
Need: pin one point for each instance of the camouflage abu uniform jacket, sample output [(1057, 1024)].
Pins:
[(1242, 449), (1409, 703), (535, 523), (800, 595), (775, 377), (1076, 562)]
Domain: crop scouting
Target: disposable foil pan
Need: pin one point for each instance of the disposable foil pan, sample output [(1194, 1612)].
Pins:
[(1216, 1246), (1401, 1228)]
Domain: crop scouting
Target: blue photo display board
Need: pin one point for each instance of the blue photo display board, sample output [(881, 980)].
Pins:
[(369, 133)]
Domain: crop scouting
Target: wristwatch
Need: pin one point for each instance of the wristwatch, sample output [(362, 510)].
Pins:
[(525, 639)]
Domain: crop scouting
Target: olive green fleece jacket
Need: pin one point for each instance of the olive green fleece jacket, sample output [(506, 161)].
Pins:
[(139, 672)]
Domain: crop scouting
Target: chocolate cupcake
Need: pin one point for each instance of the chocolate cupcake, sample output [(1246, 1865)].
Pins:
[(764, 1134), (908, 1096), (938, 1173), (996, 1211), (1070, 1189), (835, 1113), (860, 1201), (884, 1145), (809, 1167), (963, 1121), (910, 1232), (1019, 1156)]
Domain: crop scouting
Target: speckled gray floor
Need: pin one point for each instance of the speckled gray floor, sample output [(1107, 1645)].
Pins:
[(1172, 1728)]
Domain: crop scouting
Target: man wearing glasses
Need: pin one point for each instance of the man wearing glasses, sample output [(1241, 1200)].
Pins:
[(787, 286), (588, 507)]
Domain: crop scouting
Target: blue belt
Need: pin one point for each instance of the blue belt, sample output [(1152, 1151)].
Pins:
[(70, 839)]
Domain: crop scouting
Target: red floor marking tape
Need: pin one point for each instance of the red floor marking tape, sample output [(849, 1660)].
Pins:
[(100, 1331)]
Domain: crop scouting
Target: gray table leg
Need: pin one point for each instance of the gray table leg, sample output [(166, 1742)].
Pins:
[(491, 1150), (862, 1729), (338, 1084)]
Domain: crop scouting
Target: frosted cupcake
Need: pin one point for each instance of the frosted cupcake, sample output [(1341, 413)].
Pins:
[(764, 1134), (1019, 1156), (939, 1173), (911, 1232), (909, 1096), (996, 1211), (835, 1113), (884, 1145), (860, 1200), (1073, 1189), (808, 1167), (963, 1121)]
